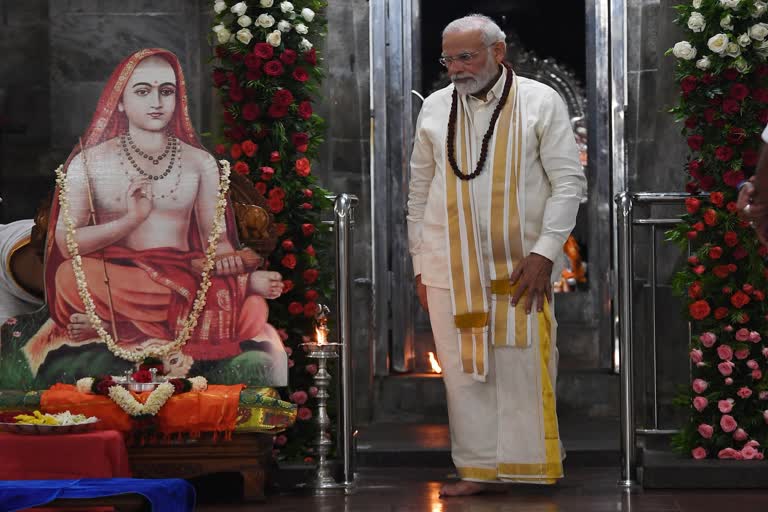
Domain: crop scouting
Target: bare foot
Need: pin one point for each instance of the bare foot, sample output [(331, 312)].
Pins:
[(465, 488), (80, 329), (267, 284)]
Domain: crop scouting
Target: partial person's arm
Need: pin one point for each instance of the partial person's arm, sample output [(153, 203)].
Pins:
[(422, 173), (91, 238)]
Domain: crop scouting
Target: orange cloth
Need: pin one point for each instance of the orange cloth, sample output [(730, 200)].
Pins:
[(212, 410)]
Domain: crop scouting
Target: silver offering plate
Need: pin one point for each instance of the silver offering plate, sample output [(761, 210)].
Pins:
[(21, 428), (139, 387)]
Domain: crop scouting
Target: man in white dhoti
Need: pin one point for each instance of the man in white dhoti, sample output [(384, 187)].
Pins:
[(495, 188)]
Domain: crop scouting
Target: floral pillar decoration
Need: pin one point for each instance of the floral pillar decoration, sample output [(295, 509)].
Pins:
[(723, 78), (267, 73)]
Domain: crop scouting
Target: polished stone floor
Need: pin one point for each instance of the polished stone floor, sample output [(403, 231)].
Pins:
[(585, 489)]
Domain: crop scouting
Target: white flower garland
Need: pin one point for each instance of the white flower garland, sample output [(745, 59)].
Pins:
[(199, 304), (156, 400)]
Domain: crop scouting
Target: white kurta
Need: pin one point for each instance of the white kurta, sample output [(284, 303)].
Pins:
[(14, 300), (504, 428)]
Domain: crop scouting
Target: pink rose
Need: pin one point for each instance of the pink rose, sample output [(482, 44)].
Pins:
[(725, 352), (281, 440), (708, 339), (725, 406), (765, 416), (740, 435), (697, 355), (727, 423), (289, 351), (744, 392), (311, 369), (700, 403), (11, 321), (313, 391), (299, 397), (742, 334), (699, 453), (725, 368), (729, 453), (699, 385), (742, 353), (291, 363), (752, 364), (765, 352), (749, 453), (728, 381), (753, 442), (755, 337), (283, 335), (763, 395), (304, 414), (728, 328), (706, 430)]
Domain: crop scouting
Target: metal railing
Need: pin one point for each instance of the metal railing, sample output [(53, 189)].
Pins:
[(627, 220)]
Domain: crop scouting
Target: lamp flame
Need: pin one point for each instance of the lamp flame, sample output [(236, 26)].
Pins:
[(320, 336), (433, 363)]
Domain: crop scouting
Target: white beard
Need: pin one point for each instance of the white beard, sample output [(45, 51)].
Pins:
[(471, 84)]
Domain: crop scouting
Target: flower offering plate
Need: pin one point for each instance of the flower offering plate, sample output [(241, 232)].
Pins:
[(25, 428)]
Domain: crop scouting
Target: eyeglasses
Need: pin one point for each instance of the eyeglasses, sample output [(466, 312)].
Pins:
[(462, 58)]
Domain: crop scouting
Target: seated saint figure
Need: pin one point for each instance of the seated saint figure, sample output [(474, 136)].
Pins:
[(142, 194)]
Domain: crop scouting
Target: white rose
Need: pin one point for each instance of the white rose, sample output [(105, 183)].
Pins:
[(761, 48), (266, 3), (744, 40), (703, 63), (239, 8), (758, 31), (305, 45), (265, 20), (684, 50), (732, 4), (696, 4), (223, 35), (301, 28), (274, 38), (307, 14), (733, 50), (760, 8), (718, 43), (741, 65), (219, 7), (697, 22), (244, 21), (284, 26), (286, 6), (244, 36), (218, 28), (725, 23)]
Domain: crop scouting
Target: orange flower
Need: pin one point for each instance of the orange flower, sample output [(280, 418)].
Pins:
[(303, 167)]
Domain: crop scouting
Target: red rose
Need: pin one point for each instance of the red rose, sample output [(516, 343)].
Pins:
[(732, 178), (731, 106), (710, 217), (178, 386), (699, 269), (277, 111), (253, 74), (251, 111), (699, 226), (749, 157), (721, 313), (716, 100), (723, 153), (303, 167), (688, 84), (263, 51), (760, 95), (280, 228), (249, 147), (732, 207), (310, 275), (142, 376), (273, 68), (739, 91), (694, 291), (307, 229), (311, 57), (693, 260), (102, 386), (732, 267), (295, 308), (307, 192), (236, 94), (736, 136), (277, 191), (274, 156), (699, 310), (219, 77), (716, 252), (708, 78), (311, 295), (709, 115), (727, 290), (275, 204), (306, 206), (287, 245), (739, 299), (747, 288), (721, 271), (691, 122), (758, 296), (241, 167), (731, 238), (282, 97), (695, 142), (300, 75), (289, 261), (740, 253), (310, 250), (310, 309), (288, 57), (229, 119), (716, 198), (300, 141), (252, 61), (305, 110), (730, 74), (261, 187), (266, 175), (221, 149), (762, 251), (692, 205), (287, 286)]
